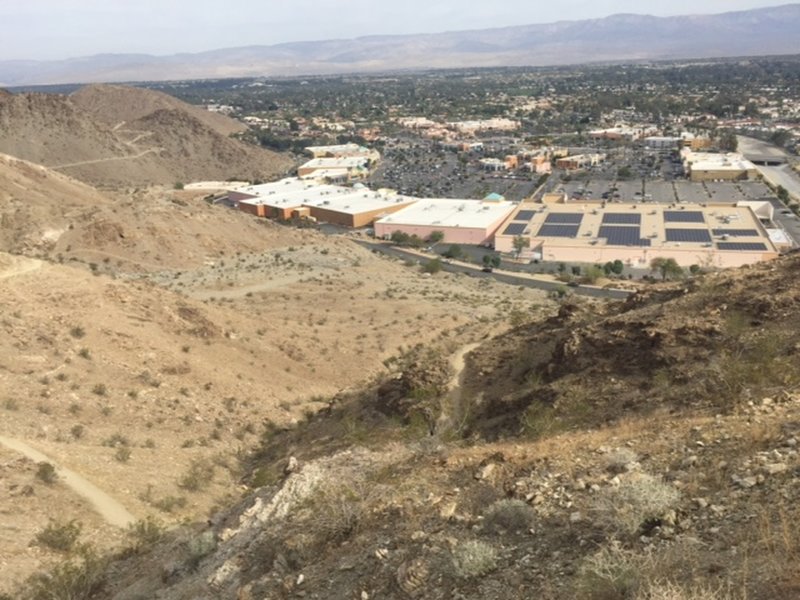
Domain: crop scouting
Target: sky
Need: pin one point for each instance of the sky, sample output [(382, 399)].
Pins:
[(55, 29)]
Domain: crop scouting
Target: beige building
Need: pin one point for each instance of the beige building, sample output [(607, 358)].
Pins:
[(711, 235), (711, 166)]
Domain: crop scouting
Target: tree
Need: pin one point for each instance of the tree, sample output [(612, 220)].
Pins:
[(454, 251), (728, 141), (783, 194), (435, 237), (617, 267), (491, 261), (592, 273), (432, 266), (624, 173), (668, 267), (520, 243)]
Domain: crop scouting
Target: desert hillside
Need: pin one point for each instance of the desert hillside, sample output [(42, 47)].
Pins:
[(113, 104), (150, 360), (641, 450), (154, 140)]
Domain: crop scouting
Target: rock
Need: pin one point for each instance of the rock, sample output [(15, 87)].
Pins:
[(448, 510), (300, 579), (364, 595), (291, 466), (747, 482), (776, 468), (381, 553), (418, 535), (412, 578), (485, 472), (575, 517), (701, 502)]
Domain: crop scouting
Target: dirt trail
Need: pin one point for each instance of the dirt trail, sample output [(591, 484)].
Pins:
[(112, 511), (19, 266), (451, 407), (112, 159)]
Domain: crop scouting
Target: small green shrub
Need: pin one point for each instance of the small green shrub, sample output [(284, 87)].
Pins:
[(474, 559), (509, 515), (198, 477), (61, 537), (637, 499), (80, 578), (46, 473)]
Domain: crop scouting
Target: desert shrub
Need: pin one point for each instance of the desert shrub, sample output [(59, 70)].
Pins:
[(77, 431), (637, 499), (508, 514), (122, 454), (77, 332), (337, 512), (10, 404), (61, 537), (78, 579), (169, 504), (670, 591), (145, 533), (199, 547), (199, 475), (46, 473), (100, 389), (620, 460), (474, 559), (613, 573)]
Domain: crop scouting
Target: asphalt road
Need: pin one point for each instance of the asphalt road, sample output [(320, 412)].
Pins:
[(548, 286), (782, 175)]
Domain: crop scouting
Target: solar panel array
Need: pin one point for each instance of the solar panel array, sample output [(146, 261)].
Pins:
[(565, 231), (622, 219), (683, 216), (737, 232), (622, 236), (688, 235), (564, 219), (515, 229), (525, 215), (742, 246)]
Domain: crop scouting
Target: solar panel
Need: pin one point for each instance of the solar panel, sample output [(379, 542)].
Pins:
[(688, 235), (737, 232), (741, 246), (622, 236), (622, 219), (525, 215), (564, 218), (515, 229), (684, 216), (567, 231)]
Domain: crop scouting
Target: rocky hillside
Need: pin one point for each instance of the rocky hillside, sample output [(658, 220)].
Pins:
[(112, 104), (645, 450), (117, 137)]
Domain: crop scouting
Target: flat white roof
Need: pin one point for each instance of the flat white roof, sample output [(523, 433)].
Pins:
[(345, 162), (436, 212), (358, 201), (333, 149), (270, 189)]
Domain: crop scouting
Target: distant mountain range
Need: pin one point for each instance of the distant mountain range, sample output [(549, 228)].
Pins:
[(623, 37)]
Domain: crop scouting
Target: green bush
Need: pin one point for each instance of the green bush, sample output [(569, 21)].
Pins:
[(78, 579), (61, 537), (474, 559), (509, 515), (46, 473)]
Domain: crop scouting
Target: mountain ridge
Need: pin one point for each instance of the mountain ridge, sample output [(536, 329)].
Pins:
[(625, 36)]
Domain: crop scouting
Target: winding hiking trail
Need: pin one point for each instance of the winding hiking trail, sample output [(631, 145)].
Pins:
[(112, 511), (19, 266), (111, 159), (451, 406)]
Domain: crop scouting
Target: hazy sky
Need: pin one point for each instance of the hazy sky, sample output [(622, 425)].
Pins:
[(45, 29)]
